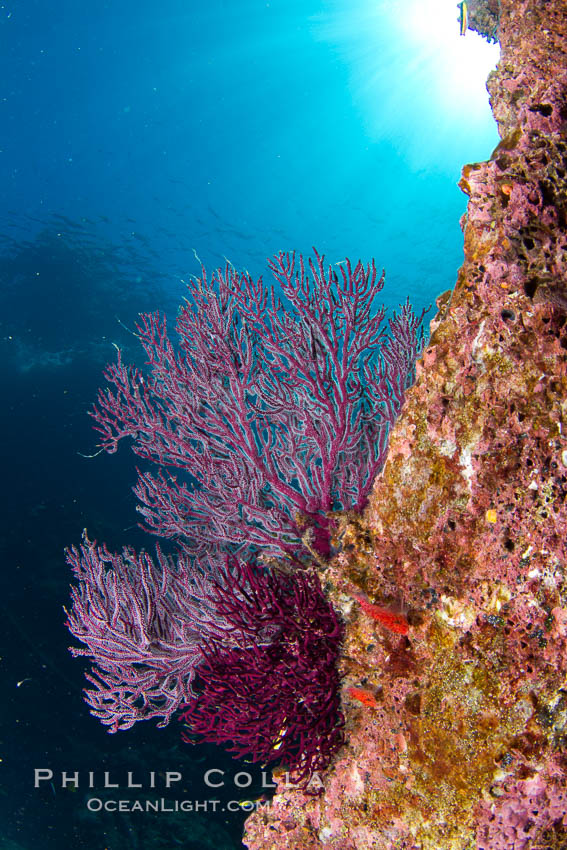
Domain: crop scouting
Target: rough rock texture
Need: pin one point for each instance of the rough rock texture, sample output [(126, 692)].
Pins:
[(456, 735), (483, 18)]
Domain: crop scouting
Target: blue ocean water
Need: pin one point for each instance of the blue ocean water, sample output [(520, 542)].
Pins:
[(134, 136)]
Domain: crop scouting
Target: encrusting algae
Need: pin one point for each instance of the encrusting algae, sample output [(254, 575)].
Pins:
[(456, 723)]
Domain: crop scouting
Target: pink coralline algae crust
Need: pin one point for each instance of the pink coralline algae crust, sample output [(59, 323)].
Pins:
[(529, 814), (465, 533)]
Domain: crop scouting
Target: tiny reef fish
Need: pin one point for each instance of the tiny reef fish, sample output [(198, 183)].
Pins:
[(367, 698), (395, 622)]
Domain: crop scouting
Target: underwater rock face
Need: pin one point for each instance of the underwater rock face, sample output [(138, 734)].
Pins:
[(456, 732), (482, 17)]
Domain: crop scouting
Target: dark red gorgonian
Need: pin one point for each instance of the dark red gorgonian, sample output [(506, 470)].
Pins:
[(273, 699)]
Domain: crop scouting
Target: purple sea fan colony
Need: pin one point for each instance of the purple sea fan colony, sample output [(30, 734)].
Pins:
[(143, 624), (272, 411), (276, 701)]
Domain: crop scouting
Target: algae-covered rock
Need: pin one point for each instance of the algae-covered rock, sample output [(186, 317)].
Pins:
[(456, 731)]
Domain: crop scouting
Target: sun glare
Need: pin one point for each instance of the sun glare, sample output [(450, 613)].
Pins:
[(417, 82), (459, 64)]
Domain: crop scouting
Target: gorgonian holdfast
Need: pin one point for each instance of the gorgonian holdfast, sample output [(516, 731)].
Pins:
[(273, 410), (275, 700)]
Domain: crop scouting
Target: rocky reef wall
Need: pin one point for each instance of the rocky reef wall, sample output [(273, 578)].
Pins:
[(456, 731)]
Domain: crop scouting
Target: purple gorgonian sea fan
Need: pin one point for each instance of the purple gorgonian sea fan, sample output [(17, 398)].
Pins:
[(143, 625), (248, 653), (273, 410), (275, 700)]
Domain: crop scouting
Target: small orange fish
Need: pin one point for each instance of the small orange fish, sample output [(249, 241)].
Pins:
[(395, 622), (367, 698)]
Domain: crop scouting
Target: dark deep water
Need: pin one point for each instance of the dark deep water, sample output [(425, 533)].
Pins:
[(133, 134)]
